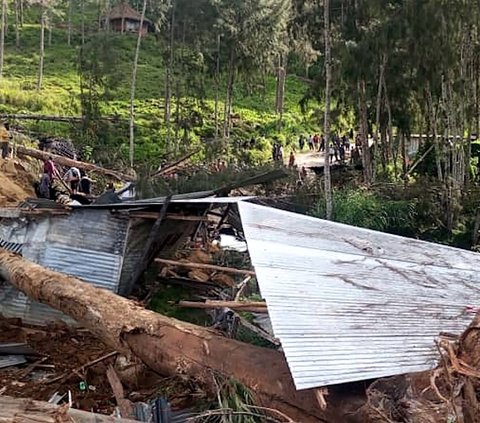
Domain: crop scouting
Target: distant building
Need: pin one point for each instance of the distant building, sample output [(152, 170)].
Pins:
[(124, 18)]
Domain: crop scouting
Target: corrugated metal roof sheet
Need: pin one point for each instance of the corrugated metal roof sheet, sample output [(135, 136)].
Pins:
[(352, 304), (13, 247), (11, 360), (101, 269)]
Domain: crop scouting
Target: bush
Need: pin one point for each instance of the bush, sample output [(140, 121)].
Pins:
[(367, 210)]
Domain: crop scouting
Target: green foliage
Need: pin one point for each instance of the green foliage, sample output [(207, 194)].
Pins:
[(233, 395), (367, 210), (165, 300)]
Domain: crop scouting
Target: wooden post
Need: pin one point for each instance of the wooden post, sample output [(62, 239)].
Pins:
[(150, 248)]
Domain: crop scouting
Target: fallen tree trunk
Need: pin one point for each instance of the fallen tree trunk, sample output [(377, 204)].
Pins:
[(64, 161), (52, 118), (166, 345)]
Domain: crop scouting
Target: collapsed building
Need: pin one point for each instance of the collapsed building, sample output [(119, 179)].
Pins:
[(347, 304)]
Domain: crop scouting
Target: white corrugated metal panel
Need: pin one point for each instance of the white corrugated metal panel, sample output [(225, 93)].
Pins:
[(352, 304)]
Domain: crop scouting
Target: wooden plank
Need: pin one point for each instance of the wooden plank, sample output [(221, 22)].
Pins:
[(252, 306), (125, 406), (205, 267), (259, 331), (168, 216), (64, 161)]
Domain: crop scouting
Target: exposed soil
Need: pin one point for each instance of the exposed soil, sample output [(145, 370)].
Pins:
[(16, 182)]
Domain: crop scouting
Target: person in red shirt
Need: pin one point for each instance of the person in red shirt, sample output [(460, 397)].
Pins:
[(49, 168)]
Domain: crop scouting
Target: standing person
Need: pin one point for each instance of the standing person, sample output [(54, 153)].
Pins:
[(316, 140), (341, 151), (85, 185), (310, 143), (331, 152), (280, 153), (274, 152), (322, 144), (73, 177), (5, 140), (301, 142), (49, 169), (291, 160)]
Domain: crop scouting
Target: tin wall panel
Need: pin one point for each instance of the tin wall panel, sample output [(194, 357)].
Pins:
[(352, 304)]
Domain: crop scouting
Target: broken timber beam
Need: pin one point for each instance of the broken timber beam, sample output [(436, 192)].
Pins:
[(169, 216), (252, 306), (168, 346), (205, 267), (64, 161), (25, 410), (172, 167)]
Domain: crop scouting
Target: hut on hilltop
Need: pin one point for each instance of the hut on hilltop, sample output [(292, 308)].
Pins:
[(124, 18)]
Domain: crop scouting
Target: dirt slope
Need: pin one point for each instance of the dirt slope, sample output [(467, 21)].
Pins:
[(16, 182)]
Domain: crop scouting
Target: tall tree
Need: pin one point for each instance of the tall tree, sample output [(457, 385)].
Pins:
[(17, 23), (3, 18), (70, 15), (254, 34), (326, 126), (43, 24), (134, 86)]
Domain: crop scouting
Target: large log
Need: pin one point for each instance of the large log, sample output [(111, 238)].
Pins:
[(166, 345), (64, 161)]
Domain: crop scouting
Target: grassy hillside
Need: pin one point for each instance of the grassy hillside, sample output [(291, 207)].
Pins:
[(61, 95)]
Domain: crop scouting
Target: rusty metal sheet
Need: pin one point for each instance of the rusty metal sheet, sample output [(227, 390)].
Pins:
[(352, 304)]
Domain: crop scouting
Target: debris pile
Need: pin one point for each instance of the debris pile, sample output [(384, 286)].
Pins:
[(63, 365)]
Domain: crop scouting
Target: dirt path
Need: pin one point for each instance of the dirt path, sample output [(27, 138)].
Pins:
[(309, 159)]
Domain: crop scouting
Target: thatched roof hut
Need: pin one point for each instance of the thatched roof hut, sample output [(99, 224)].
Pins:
[(124, 18)]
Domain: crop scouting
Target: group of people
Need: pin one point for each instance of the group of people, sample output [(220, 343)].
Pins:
[(277, 152), (314, 142), (75, 180), (337, 147)]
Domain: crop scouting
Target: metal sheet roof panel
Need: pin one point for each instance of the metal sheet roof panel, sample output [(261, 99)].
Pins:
[(352, 304), (101, 269)]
